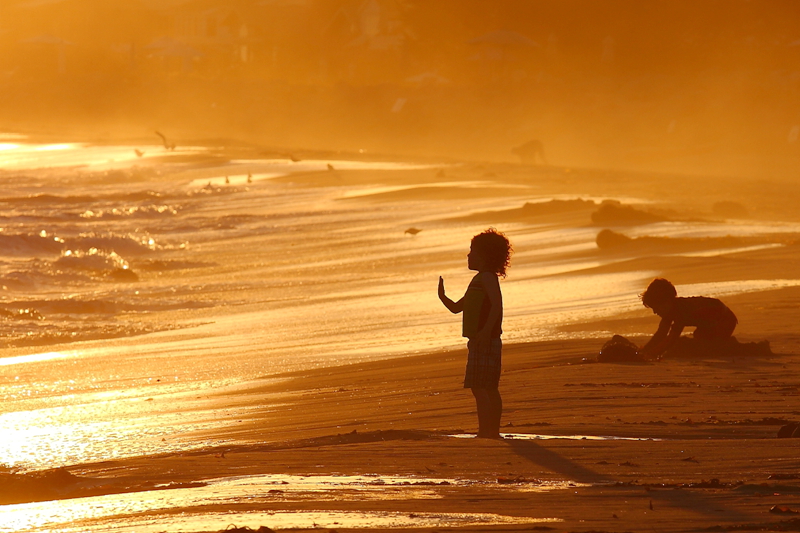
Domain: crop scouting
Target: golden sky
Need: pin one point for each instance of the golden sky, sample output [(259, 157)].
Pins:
[(660, 84)]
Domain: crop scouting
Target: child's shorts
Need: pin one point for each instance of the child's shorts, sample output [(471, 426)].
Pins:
[(483, 366)]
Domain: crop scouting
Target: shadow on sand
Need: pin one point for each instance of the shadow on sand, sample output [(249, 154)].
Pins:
[(693, 500)]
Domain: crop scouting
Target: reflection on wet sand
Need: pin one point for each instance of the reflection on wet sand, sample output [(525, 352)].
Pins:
[(270, 500)]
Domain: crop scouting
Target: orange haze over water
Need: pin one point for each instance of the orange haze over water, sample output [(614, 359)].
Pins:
[(702, 87)]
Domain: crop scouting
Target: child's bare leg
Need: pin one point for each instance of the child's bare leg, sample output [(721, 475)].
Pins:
[(482, 403), (490, 408), (496, 410)]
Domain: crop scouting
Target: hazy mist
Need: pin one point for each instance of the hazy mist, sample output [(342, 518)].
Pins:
[(672, 85)]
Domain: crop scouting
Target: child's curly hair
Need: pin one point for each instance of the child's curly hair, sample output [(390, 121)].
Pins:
[(659, 290), (495, 248)]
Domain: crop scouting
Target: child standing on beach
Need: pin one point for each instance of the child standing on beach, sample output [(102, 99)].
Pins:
[(482, 306), (713, 321)]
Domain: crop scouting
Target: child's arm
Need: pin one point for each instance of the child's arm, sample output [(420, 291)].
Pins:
[(492, 287), (653, 346), (453, 307), (668, 332)]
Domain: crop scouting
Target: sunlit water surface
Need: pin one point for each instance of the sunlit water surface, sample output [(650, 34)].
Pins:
[(241, 276)]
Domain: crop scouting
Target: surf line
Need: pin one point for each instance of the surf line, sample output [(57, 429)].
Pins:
[(532, 436)]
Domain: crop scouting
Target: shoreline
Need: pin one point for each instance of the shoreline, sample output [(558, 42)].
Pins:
[(235, 146)]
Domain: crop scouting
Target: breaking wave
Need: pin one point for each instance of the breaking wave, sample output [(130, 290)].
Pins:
[(115, 213), (44, 244), (56, 199), (30, 245), (128, 244), (92, 260)]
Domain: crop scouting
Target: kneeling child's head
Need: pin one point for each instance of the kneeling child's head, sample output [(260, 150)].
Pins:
[(659, 293)]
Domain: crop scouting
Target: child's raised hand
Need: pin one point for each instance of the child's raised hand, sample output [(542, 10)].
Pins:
[(453, 307)]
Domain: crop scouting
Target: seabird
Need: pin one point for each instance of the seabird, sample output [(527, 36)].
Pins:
[(139, 153), (412, 231), (168, 145), (330, 167)]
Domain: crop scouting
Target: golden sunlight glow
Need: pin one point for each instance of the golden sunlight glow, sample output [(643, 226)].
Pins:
[(595, 83), (224, 223), (34, 358), (61, 146)]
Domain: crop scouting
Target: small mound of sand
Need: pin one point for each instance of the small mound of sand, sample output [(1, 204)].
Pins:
[(619, 350)]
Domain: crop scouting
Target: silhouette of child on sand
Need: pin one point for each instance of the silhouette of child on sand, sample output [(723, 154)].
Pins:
[(482, 307), (713, 321)]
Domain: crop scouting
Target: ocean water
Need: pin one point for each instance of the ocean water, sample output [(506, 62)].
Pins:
[(126, 279)]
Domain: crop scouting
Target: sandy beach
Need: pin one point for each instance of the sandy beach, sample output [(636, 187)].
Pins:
[(683, 446), (688, 445), (382, 440)]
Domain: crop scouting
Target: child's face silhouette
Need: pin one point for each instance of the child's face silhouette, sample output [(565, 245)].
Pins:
[(475, 260)]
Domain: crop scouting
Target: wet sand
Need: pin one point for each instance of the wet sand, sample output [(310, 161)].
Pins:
[(685, 444)]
